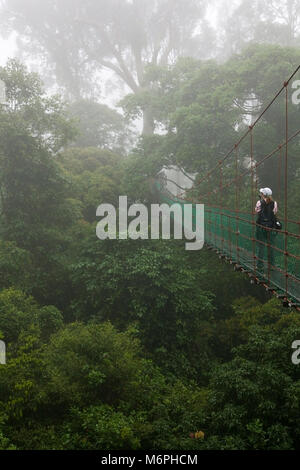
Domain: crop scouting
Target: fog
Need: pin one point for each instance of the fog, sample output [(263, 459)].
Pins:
[(100, 50), (7, 48)]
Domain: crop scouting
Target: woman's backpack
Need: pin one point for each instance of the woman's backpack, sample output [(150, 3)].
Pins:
[(266, 216)]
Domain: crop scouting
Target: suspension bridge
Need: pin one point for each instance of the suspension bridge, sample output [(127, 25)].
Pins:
[(229, 190)]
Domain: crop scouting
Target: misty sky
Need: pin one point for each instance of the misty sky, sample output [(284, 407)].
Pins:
[(111, 94), (8, 47), (110, 97)]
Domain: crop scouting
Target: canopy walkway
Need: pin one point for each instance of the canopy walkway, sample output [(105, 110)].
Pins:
[(230, 192)]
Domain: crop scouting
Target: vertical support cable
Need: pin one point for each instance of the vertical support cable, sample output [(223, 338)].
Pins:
[(253, 183), (286, 190), (237, 204), (210, 214), (279, 174), (214, 208), (221, 206)]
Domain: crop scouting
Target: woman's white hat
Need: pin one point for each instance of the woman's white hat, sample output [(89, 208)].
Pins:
[(266, 191)]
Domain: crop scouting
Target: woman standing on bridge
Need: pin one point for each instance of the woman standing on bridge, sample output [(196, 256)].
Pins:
[(266, 209)]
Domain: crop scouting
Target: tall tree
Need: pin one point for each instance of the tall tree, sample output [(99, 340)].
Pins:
[(35, 211), (100, 126), (273, 22), (123, 36)]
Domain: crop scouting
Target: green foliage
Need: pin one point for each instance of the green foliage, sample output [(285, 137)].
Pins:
[(98, 428), (38, 115), (255, 397), (50, 320), (35, 211), (5, 444), (161, 347), (247, 312), (90, 363), (89, 388), (99, 126), (94, 177), (151, 286), (18, 312), (15, 267)]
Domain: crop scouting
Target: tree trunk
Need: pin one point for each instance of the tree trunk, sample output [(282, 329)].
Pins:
[(148, 122)]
